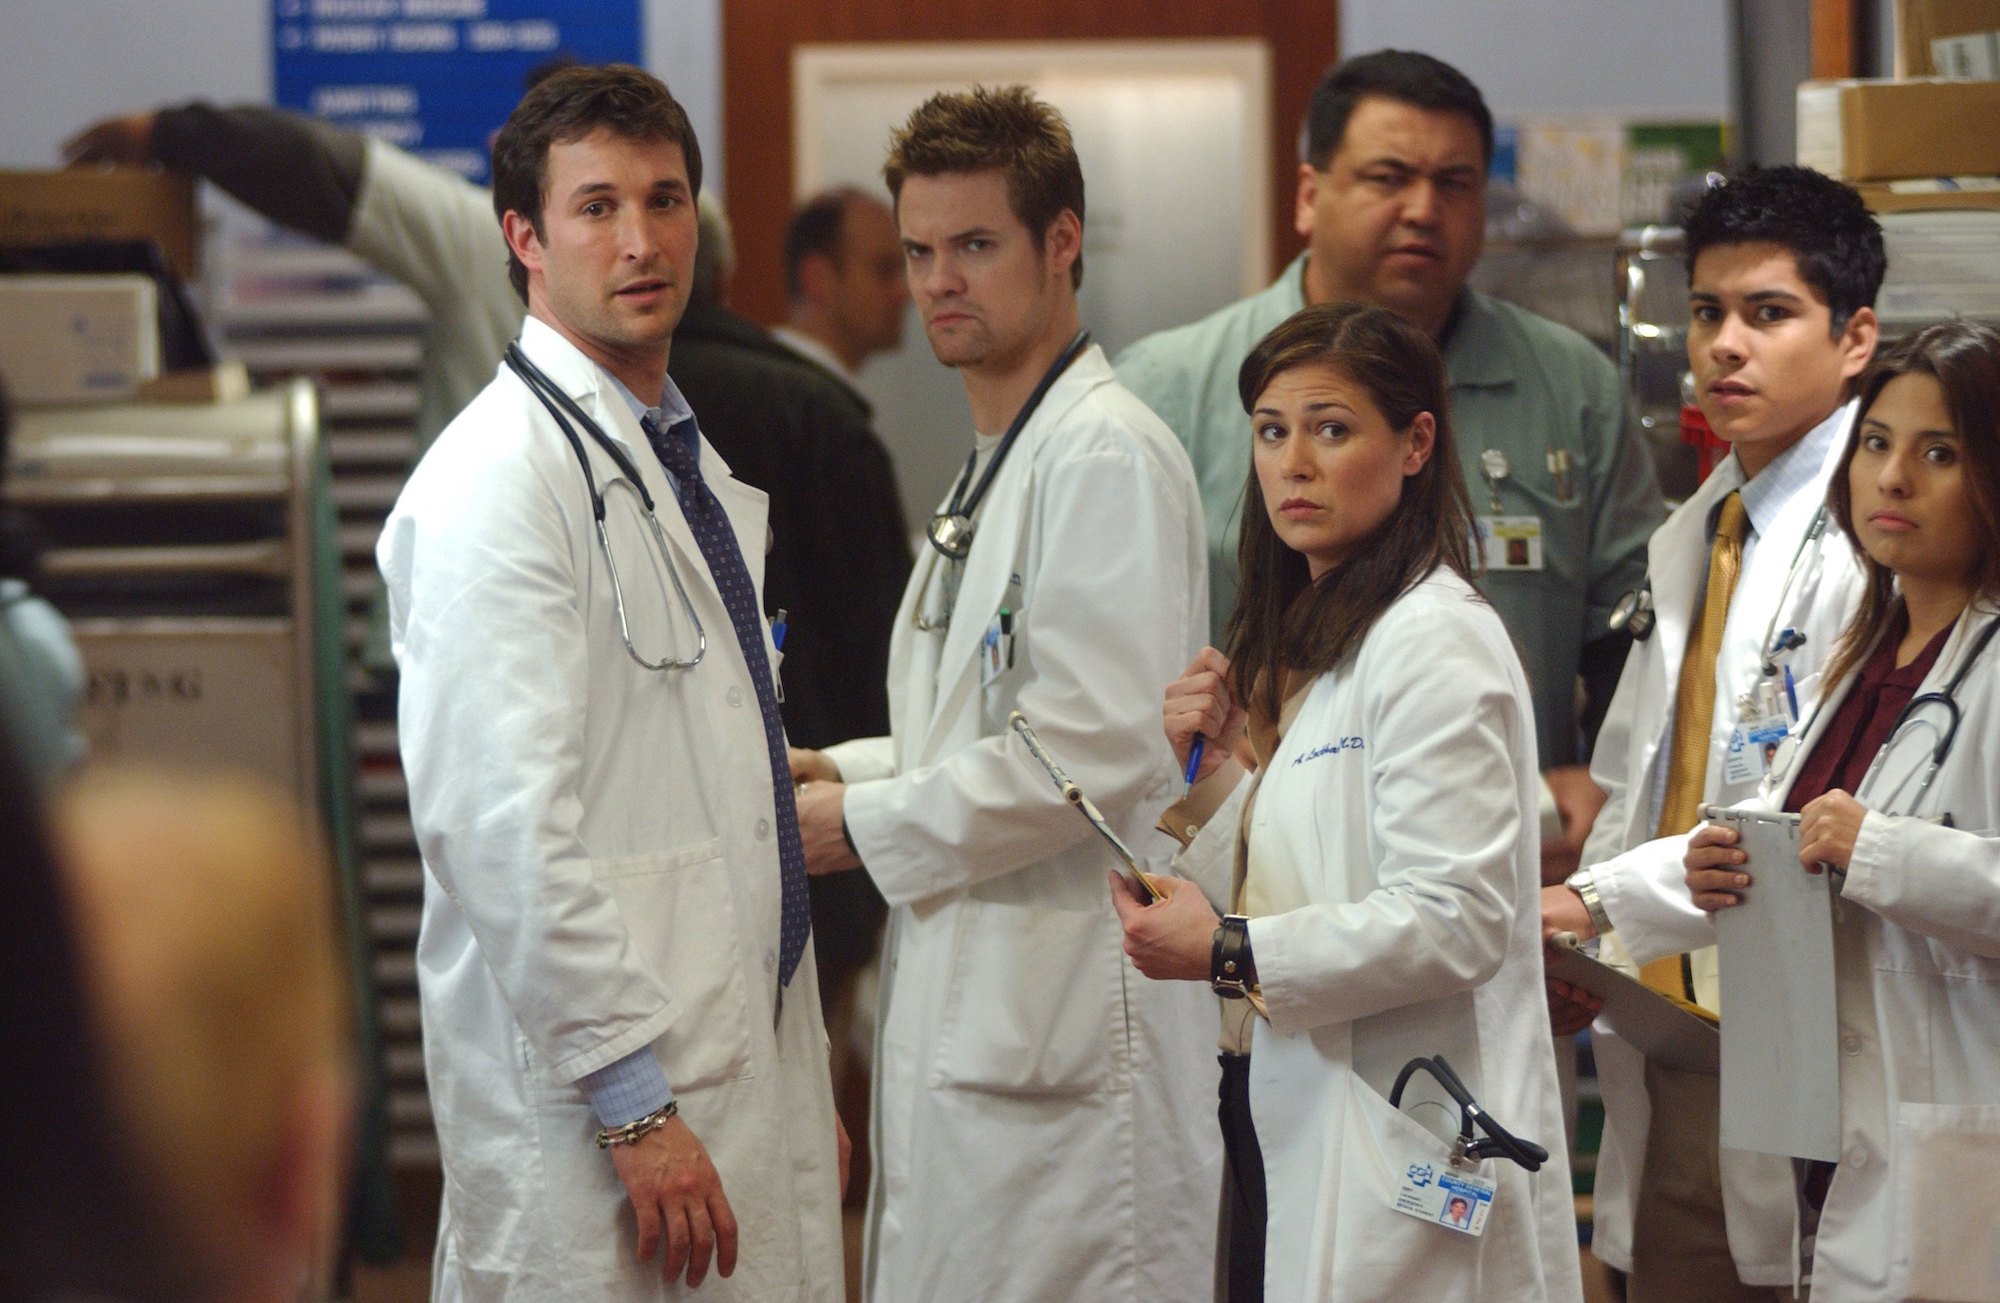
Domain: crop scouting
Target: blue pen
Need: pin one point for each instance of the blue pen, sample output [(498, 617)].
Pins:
[(1791, 694), (778, 629), (1194, 763)]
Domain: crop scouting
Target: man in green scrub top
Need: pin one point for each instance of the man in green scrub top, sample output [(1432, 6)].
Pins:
[(1392, 202)]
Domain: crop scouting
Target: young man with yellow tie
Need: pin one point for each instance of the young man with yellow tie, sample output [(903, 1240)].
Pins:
[(1749, 589)]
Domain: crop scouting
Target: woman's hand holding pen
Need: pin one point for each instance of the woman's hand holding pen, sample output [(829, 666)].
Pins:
[(1200, 704)]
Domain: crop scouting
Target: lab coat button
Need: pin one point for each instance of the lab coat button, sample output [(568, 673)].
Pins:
[(1857, 1159), (763, 829), (1850, 1044), (735, 696)]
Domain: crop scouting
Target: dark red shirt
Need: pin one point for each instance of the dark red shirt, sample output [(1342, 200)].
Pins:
[(1841, 758), (1865, 719)]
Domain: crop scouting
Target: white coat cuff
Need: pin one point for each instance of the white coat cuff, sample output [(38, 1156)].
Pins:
[(863, 759), (867, 808), (1644, 893), (1872, 852)]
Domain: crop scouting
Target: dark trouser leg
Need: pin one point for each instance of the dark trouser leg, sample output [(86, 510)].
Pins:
[(1240, 1247)]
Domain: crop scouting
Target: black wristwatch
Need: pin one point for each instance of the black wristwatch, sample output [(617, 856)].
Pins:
[(1231, 970)]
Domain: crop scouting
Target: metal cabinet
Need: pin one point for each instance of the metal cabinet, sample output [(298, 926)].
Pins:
[(181, 548)]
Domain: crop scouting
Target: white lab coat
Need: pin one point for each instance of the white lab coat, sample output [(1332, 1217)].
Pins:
[(601, 870), (1393, 845), (1044, 1116), (1640, 877), (1910, 1213)]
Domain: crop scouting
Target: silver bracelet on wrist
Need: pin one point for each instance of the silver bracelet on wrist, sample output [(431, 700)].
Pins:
[(1585, 888), (637, 1129)]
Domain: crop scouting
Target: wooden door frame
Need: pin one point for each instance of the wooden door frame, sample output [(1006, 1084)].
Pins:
[(1836, 39)]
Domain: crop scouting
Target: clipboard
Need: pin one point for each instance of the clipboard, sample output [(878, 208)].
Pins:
[(1138, 879), (1652, 1024), (1781, 1023)]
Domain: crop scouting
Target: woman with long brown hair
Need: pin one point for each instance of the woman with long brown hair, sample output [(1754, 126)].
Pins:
[(1382, 863), (1896, 782)]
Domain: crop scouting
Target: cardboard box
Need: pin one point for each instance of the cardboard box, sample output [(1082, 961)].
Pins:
[(124, 203), (1870, 130), (76, 339), (1919, 22)]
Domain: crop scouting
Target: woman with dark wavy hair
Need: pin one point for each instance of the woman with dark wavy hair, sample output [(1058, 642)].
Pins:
[(1382, 858), (1896, 782)]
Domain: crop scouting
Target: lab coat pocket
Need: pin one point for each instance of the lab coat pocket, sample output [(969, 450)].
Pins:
[(1397, 1254), (1946, 1160), (681, 916), (1029, 1009)]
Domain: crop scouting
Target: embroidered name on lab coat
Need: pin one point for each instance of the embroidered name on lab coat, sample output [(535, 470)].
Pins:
[(1329, 749)]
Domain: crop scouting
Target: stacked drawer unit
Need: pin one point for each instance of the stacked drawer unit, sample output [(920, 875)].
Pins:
[(181, 549)]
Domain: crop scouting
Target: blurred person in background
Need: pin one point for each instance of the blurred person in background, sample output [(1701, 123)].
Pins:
[(206, 928), (64, 1175), (844, 279), (180, 1048)]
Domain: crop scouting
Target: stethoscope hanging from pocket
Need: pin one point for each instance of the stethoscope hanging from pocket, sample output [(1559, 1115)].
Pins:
[(1453, 1194), (1499, 1141)]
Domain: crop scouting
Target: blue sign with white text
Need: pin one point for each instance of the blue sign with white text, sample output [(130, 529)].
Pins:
[(436, 77)]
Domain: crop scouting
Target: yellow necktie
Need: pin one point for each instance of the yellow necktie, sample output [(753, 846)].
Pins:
[(1694, 713)]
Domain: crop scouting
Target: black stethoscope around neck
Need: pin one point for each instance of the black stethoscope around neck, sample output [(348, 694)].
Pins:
[(950, 530), (1633, 613), (563, 410), (1947, 699)]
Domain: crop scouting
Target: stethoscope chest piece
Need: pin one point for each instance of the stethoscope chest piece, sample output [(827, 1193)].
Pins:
[(1633, 613), (951, 534)]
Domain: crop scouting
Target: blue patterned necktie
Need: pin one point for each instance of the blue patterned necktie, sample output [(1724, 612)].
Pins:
[(712, 531)]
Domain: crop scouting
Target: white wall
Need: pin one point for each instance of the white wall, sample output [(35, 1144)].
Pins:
[(1657, 58), (66, 63)]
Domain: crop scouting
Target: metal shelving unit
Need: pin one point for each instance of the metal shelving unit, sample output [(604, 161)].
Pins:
[(292, 309)]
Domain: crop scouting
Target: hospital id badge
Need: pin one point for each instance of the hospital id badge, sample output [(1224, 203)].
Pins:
[(1753, 747), (1509, 542), (1456, 1198)]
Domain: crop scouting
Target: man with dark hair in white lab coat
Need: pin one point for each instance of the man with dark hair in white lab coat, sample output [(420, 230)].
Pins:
[(1044, 1114), (622, 1026)]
